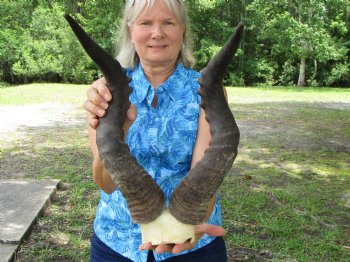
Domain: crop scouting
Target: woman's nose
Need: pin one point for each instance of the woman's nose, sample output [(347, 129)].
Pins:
[(157, 32)]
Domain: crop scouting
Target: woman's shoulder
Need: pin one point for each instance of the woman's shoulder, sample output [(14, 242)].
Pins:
[(188, 72), (187, 78), (130, 71)]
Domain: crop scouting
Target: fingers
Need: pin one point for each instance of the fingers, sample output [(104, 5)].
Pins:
[(162, 248), (95, 98), (95, 110), (208, 229), (211, 230), (96, 103), (101, 86), (182, 247), (93, 113), (131, 113), (92, 120), (146, 246)]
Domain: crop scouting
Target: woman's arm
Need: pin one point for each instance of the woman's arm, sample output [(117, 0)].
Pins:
[(100, 173), (203, 139)]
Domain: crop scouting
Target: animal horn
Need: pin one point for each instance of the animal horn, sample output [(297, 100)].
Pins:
[(189, 201), (145, 199)]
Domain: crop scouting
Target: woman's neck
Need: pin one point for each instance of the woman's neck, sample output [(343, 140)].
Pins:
[(158, 75)]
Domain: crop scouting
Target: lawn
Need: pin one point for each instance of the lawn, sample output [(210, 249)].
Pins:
[(287, 197)]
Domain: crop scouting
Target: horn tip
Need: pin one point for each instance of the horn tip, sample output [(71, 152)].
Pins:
[(68, 18), (240, 26)]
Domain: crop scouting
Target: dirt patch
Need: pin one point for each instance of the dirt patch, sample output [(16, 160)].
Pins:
[(18, 119), (45, 114), (287, 125), (25, 130), (248, 254)]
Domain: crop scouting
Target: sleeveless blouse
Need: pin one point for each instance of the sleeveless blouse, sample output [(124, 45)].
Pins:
[(162, 140)]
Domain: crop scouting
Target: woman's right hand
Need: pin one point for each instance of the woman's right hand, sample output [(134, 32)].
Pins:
[(98, 96)]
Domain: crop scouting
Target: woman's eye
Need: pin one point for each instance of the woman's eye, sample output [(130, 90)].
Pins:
[(145, 23)]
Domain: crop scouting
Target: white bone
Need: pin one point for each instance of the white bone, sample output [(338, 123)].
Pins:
[(166, 229)]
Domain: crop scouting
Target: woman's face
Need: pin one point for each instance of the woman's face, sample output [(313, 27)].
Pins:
[(157, 36)]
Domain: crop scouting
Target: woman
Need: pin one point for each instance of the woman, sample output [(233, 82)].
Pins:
[(168, 136)]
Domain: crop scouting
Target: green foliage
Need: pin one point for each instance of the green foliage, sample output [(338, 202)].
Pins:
[(37, 45), (340, 73), (208, 49), (299, 29), (51, 53), (14, 17), (289, 74)]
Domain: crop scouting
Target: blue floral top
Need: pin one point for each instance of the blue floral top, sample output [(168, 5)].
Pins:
[(162, 140)]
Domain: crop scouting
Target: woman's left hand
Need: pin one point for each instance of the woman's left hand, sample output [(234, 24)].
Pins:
[(208, 229)]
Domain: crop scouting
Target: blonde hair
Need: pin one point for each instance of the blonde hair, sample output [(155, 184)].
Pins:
[(126, 53)]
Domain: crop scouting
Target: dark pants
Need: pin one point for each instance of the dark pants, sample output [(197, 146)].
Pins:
[(214, 251)]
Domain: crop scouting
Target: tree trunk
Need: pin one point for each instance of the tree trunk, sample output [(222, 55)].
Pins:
[(301, 80), (7, 74)]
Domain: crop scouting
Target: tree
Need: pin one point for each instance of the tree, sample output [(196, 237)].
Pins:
[(286, 42), (51, 53), (14, 18), (212, 23), (297, 29)]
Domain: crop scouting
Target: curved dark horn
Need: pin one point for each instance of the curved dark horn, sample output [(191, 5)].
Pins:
[(189, 201), (145, 199)]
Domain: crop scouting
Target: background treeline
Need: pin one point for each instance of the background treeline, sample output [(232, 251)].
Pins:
[(286, 42)]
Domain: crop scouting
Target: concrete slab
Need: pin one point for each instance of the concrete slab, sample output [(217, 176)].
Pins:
[(7, 252), (21, 202)]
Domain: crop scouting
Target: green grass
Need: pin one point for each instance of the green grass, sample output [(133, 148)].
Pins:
[(288, 193), (289, 189), (41, 93), (287, 94)]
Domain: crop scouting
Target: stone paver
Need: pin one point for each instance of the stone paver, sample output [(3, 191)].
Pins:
[(21, 202), (7, 251)]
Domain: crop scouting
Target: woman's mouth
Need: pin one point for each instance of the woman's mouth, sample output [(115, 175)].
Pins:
[(157, 46)]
